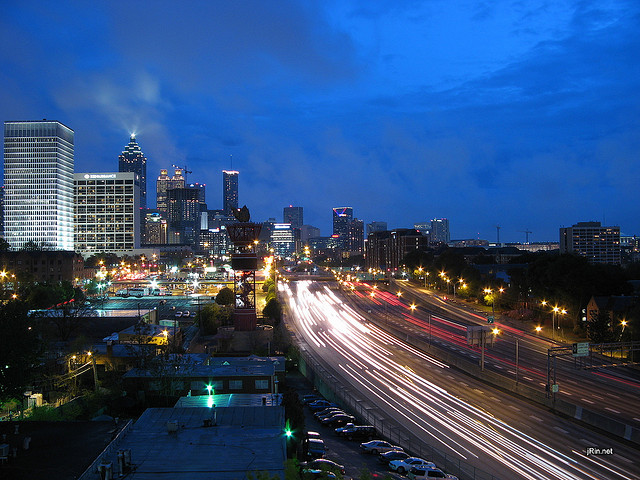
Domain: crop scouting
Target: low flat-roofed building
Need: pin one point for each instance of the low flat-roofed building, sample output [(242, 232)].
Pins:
[(198, 443)]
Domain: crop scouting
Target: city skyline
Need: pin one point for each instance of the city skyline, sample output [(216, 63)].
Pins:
[(486, 115)]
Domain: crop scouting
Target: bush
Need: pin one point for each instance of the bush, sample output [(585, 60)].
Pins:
[(225, 297)]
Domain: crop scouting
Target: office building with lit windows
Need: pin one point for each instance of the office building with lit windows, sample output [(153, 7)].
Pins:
[(164, 183), (38, 181), (591, 240), (229, 191), (293, 215), (107, 214), (440, 230)]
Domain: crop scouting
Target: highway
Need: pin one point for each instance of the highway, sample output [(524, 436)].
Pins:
[(492, 431), (612, 392)]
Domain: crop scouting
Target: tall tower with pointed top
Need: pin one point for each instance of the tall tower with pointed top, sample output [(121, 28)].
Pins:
[(133, 160)]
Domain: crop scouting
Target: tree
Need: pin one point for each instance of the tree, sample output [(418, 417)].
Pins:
[(212, 316), (4, 245), (20, 349), (599, 328), (273, 310), (225, 297)]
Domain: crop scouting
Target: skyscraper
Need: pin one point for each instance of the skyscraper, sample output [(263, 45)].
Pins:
[(342, 216), (133, 160), (293, 215), (165, 183), (440, 230), (38, 179), (229, 191)]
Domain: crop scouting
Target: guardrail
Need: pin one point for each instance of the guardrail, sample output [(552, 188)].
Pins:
[(331, 388)]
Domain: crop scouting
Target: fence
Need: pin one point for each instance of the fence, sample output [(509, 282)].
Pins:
[(330, 387)]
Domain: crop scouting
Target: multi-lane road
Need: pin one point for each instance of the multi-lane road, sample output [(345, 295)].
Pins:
[(481, 426), (612, 392)]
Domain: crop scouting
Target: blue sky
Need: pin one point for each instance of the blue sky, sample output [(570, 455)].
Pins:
[(519, 114)]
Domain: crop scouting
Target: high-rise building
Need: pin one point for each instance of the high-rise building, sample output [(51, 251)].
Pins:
[(342, 217), (107, 215), (440, 230), (307, 232), (155, 229), (133, 160), (376, 227), (184, 213), (423, 227), (355, 244), (293, 215), (229, 191), (591, 240), (386, 250), (164, 183), (38, 180), (283, 240)]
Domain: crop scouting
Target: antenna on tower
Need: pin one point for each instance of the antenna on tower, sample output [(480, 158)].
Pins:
[(498, 227), (231, 159)]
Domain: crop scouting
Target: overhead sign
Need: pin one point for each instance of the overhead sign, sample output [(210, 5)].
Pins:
[(580, 349)]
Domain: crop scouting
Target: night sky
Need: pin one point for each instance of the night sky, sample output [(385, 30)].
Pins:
[(523, 114)]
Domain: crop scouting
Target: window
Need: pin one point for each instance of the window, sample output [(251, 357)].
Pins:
[(235, 384), (262, 384)]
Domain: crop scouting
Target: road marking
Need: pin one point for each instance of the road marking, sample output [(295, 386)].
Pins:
[(561, 430), (566, 393), (611, 410), (449, 377), (513, 407), (570, 381), (588, 401), (495, 399), (536, 418), (597, 396), (543, 384), (511, 371), (498, 366), (478, 390), (528, 378), (636, 419), (463, 384)]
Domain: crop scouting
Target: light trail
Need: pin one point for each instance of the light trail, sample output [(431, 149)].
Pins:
[(367, 357)]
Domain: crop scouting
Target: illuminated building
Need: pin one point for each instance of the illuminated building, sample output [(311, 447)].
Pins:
[(133, 160), (184, 213), (440, 230), (283, 240), (107, 214), (229, 191), (591, 240), (38, 181), (164, 183)]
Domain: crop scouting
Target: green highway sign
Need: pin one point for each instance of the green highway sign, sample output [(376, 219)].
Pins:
[(580, 349)]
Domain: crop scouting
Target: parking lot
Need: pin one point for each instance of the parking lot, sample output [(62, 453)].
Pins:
[(339, 449)]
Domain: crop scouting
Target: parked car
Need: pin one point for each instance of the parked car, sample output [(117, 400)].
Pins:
[(186, 314), (403, 466), (309, 398), (378, 446), (178, 314), (315, 448), (313, 473), (326, 412), (321, 404), (427, 473), (323, 464), (338, 419), (357, 431), (386, 457)]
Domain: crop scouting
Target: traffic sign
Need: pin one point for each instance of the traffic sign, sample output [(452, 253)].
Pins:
[(490, 319), (580, 349)]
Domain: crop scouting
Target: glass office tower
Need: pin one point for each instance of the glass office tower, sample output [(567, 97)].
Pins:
[(229, 191), (38, 180)]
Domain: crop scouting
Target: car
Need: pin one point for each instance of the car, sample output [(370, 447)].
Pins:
[(326, 411), (312, 435), (337, 420), (315, 448), (386, 457), (178, 314), (347, 426), (309, 398), (186, 314), (403, 466), (357, 431), (323, 464), (378, 446), (321, 404), (313, 473), (427, 473)]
